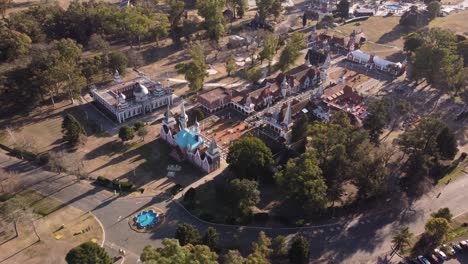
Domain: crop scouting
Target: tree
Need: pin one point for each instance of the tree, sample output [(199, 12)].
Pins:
[(187, 234), (138, 125), (299, 251), (243, 194), (172, 252), (13, 44), (233, 257), (196, 115), (230, 65), (270, 45), (159, 26), (126, 133), (254, 74), (176, 10), (430, 137), (279, 246), (292, 51), (443, 213), (433, 8), (210, 238), (302, 178), (71, 130), (401, 239), (261, 250), (248, 157), (377, 119), (268, 7), (142, 133), (447, 143), (342, 8), (437, 229), (195, 70), (299, 128), (98, 43), (212, 12), (117, 61), (88, 253), (239, 6), (4, 5)]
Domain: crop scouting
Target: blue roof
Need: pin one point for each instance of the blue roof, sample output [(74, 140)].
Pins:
[(188, 139)]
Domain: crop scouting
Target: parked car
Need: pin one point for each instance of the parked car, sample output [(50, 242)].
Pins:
[(423, 260), (441, 255), (464, 244), (448, 250), (456, 246)]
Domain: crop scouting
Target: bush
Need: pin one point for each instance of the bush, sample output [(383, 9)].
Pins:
[(124, 186), (103, 181), (138, 125)]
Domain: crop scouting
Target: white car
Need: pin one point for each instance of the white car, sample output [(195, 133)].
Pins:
[(441, 255), (448, 249), (464, 244)]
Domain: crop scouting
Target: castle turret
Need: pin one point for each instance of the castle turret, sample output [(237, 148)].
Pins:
[(284, 87), (196, 127), (287, 120), (183, 116), (169, 120), (117, 78)]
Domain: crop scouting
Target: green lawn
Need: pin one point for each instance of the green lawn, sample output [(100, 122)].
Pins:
[(40, 204), (458, 171)]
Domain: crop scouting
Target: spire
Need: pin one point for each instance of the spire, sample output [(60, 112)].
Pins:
[(288, 115), (196, 127), (213, 148), (117, 78), (183, 116), (168, 119)]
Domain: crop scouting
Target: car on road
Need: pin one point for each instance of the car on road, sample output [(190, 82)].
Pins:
[(423, 260), (440, 255), (456, 246), (448, 250), (464, 243)]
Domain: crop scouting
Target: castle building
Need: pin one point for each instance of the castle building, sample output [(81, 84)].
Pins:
[(189, 144), (126, 99), (374, 62)]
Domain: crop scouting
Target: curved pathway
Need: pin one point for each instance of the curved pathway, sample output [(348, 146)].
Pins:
[(360, 240)]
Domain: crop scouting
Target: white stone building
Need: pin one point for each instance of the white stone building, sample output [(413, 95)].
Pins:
[(126, 99)]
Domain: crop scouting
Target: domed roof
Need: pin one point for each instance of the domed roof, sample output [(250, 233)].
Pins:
[(122, 96), (140, 89)]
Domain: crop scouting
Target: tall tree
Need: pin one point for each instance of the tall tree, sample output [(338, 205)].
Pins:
[(299, 251), (88, 253), (437, 229), (292, 51), (433, 8), (377, 119), (233, 257), (302, 178), (195, 70), (230, 65), (270, 44), (172, 252), (401, 239), (187, 234), (117, 61), (447, 143), (243, 194), (71, 130), (159, 26), (210, 238), (299, 128), (13, 44), (4, 5), (254, 74), (261, 250), (212, 12), (343, 8), (126, 133), (176, 11), (248, 157), (279, 246), (443, 213)]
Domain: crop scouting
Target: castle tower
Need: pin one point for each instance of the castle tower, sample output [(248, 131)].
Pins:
[(169, 120), (287, 120), (183, 116), (117, 78), (196, 127), (284, 87), (214, 155)]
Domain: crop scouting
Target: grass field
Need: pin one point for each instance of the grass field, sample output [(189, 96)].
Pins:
[(455, 22), (458, 171)]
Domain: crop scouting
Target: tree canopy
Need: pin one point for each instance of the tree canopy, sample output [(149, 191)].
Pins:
[(172, 252), (299, 251), (71, 130), (126, 133), (212, 12), (248, 157), (437, 229), (292, 51), (88, 253), (187, 234), (343, 8), (243, 194), (195, 70)]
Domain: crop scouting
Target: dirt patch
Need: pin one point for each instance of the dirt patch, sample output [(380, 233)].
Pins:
[(455, 22), (55, 241)]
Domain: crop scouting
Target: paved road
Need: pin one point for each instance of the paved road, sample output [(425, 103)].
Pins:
[(359, 240)]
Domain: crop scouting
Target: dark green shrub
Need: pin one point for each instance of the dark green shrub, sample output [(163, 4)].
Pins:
[(103, 181)]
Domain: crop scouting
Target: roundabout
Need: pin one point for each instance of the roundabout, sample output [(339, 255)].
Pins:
[(146, 220)]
